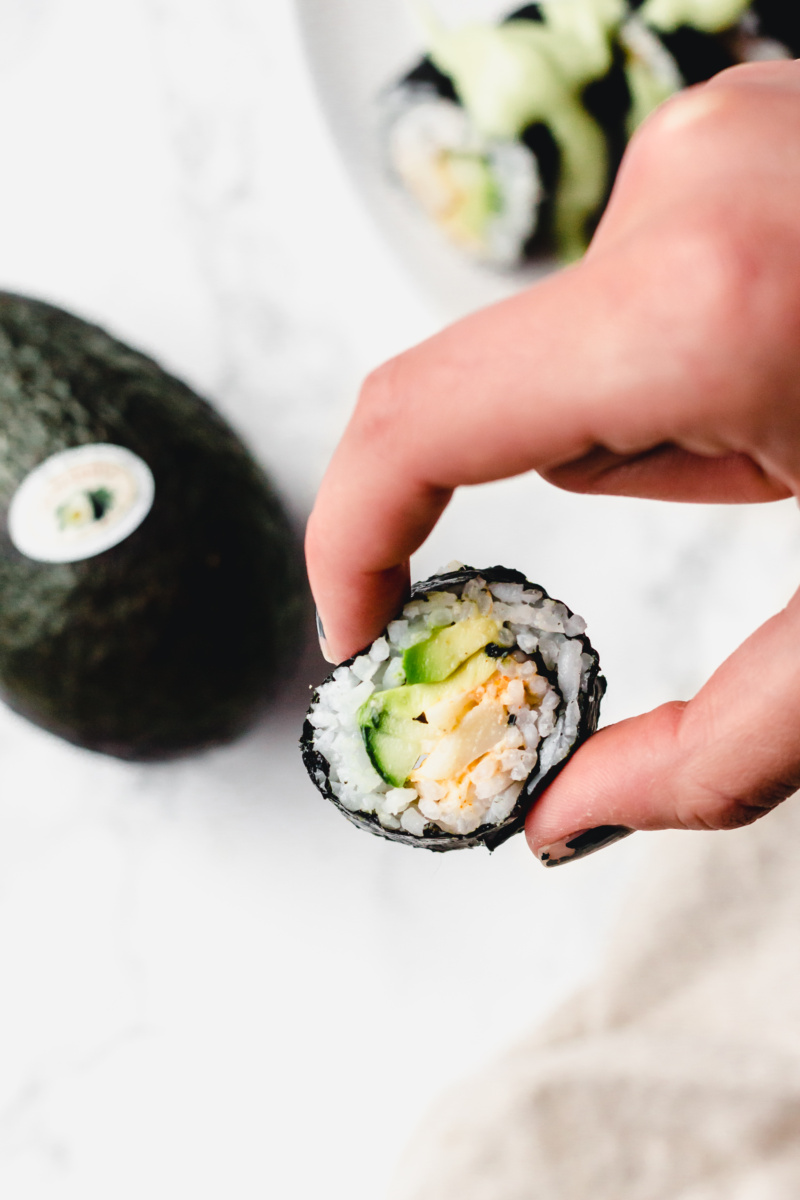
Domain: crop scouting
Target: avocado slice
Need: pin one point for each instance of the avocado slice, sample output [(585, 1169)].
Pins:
[(439, 655), (393, 733)]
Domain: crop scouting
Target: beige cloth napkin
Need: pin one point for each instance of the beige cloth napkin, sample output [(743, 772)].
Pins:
[(676, 1074)]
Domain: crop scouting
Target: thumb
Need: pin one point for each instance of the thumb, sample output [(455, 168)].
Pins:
[(719, 762)]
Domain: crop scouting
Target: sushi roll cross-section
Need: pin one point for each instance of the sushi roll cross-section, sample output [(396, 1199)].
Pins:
[(443, 732), (509, 136)]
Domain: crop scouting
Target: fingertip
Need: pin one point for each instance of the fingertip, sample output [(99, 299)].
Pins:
[(352, 611)]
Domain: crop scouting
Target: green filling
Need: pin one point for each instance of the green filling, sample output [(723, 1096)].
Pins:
[(647, 90), (393, 747), (440, 654), (709, 16), (481, 199), (392, 732)]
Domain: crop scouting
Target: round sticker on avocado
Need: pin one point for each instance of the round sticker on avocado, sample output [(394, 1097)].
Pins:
[(80, 502)]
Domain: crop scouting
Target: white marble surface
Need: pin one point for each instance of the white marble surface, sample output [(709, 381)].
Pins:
[(210, 984)]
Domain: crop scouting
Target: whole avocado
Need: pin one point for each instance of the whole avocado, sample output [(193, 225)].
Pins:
[(170, 640)]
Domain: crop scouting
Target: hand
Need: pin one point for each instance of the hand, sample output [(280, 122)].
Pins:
[(665, 365)]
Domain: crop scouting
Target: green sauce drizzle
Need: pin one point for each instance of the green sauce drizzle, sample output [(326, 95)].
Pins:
[(709, 16)]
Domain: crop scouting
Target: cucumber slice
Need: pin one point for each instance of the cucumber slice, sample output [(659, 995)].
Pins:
[(394, 736), (394, 747)]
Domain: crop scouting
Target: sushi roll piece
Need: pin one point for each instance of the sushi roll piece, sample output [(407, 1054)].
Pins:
[(443, 732), (483, 193)]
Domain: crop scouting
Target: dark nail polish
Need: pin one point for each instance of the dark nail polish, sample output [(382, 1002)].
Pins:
[(579, 845), (323, 645)]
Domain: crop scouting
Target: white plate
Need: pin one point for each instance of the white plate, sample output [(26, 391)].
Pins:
[(357, 48)]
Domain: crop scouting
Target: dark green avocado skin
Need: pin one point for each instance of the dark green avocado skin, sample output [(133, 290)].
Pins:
[(173, 639)]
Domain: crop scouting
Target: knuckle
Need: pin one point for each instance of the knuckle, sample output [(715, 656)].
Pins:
[(722, 276), (717, 809), (746, 306), (720, 792), (695, 117), (733, 814), (379, 409), (723, 315)]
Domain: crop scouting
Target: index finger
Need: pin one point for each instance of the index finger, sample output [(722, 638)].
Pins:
[(537, 382)]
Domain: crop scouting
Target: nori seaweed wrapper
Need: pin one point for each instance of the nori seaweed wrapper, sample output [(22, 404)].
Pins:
[(427, 77), (490, 836), (780, 19), (698, 55)]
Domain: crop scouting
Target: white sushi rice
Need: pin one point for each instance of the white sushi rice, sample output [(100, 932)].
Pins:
[(541, 734)]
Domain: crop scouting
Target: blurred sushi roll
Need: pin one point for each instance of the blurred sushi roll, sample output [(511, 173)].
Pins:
[(704, 37), (509, 136), (491, 136), (482, 192), (443, 732)]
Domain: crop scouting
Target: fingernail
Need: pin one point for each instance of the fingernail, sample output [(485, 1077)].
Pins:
[(579, 845), (323, 645)]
